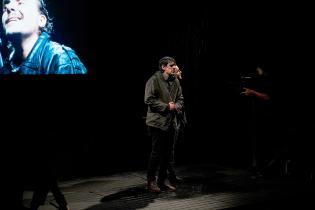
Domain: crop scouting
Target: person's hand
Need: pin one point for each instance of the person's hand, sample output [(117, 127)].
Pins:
[(260, 95), (248, 92), (178, 72), (172, 106)]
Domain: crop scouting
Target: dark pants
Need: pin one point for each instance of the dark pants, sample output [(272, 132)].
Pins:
[(171, 165), (161, 153), (41, 192), (42, 178)]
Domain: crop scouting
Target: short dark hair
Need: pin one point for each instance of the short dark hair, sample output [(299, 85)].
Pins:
[(164, 61)]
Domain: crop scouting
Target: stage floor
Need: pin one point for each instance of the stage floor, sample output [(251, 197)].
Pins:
[(206, 186)]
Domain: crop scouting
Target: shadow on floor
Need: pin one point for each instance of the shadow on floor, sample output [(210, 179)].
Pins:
[(132, 198), (205, 186)]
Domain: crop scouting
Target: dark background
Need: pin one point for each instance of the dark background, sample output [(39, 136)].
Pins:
[(97, 120)]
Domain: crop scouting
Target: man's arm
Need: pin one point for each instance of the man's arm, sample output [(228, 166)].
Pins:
[(260, 95), (152, 100)]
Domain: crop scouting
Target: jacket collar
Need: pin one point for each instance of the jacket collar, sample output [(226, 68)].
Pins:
[(32, 60)]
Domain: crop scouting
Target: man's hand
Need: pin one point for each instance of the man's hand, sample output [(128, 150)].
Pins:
[(171, 106), (260, 95), (248, 92), (178, 72)]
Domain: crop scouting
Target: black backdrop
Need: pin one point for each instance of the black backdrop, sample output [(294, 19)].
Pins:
[(97, 120)]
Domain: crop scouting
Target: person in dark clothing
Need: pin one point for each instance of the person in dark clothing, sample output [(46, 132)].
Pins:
[(26, 27), (258, 90), (181, 124), (47, 182), (34, 169), (165, 101)]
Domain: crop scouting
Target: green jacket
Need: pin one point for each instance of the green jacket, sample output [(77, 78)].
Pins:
[(157, 96)]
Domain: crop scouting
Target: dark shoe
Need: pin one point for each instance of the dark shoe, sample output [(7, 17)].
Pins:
[(153, 187), (175, 180), (167, 187)]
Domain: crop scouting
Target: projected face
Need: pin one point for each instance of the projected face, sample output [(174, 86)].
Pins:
[(22, 17)]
